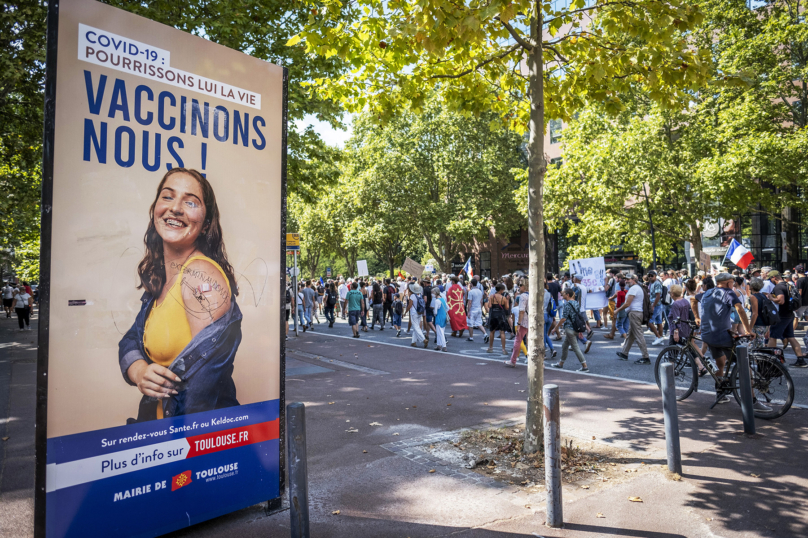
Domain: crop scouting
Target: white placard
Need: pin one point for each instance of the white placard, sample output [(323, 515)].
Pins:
[(362, 267), (592, 272)]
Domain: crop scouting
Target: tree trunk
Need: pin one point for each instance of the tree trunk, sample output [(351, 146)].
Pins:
[(695, 240), (534, 424)]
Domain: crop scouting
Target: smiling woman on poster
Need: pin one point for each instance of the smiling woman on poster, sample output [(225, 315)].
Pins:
[(180, 350)]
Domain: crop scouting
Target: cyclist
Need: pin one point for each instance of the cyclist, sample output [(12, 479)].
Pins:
[(717, 303)]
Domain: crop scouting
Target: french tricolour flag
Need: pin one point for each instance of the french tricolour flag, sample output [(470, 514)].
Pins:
[(739, 254), (467, 268)]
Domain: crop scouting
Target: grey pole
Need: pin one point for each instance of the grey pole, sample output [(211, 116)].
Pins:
[(298, 473), (294, 291), (552, 456), (671, 418), (747, 406)]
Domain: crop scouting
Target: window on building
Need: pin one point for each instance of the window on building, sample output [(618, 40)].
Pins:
[(516, 237), (557, 162), (556, 126), (485, 264), (754, 4)]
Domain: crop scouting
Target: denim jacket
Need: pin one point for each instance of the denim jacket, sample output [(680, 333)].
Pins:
[(205, 365)]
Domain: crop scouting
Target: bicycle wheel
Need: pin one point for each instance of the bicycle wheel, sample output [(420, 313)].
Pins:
[(771, 385), (684, 370)]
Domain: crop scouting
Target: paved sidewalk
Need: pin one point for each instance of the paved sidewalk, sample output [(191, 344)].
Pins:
[(385, 492)]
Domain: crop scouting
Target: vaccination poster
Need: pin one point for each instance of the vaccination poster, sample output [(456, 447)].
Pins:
[(163, 339), (592, 272)]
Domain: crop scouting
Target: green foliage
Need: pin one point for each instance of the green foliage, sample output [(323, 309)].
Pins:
[(22, 71), (440, 177), (401, 50)]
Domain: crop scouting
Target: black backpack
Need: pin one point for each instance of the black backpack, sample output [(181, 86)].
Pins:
[(578, 321), (288, 296), (647, 311), (767, 310), (794, 299), (332, 298), (399, 308)]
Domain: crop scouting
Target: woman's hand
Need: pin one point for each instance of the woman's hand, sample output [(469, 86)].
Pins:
[(152, 379)]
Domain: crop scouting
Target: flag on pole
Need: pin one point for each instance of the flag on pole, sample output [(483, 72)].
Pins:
[(321, 281), (739, 254), (400, 275), (467, 268)]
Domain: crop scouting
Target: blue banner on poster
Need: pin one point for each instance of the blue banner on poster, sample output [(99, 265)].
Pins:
[(173, 472)]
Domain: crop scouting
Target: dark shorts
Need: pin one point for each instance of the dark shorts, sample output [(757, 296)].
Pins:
[(8, 302), (784, 329), (716, 352), (288, 311), (430, 318), (353, 317)]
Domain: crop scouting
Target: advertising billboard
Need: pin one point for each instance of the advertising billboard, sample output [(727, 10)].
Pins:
[(161, 355)]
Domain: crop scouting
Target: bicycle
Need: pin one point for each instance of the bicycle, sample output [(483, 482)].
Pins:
[(771, 381)]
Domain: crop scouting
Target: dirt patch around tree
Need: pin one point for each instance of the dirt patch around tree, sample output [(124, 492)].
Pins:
[(497, 453)]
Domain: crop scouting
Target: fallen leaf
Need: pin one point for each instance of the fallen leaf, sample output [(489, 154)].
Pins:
[(527, 506), (642, 463), (635, 499), (395, 434), (375, 424), (5, 438), (364, 452), (593, 438), (486, 403), (448, 405), (451, 396), (331, 403), (414, 406), (584, 487), (347, 421), (352, 430), (520, 390), (600, 515), (709, 519), (609, 409), (335, 513), (755, 475), (432, 470)]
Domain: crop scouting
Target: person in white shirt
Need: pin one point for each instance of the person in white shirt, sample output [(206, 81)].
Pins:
[(343, 295), (8, 298), (23, 303), (634, 300), (474, 307)]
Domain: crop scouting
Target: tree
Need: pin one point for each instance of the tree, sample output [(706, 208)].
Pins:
[(442, 176), (22, 76), (471, 53)]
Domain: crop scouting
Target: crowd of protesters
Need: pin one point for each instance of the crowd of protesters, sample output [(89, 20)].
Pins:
[(657, 302)]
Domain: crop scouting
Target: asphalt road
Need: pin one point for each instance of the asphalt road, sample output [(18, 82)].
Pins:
[(601, 359)]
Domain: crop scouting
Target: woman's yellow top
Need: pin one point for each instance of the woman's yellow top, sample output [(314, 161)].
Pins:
[(167, 331)]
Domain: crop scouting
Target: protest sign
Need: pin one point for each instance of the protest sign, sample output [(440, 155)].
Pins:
[(592, 272), (413, 267), (362, 267), (705, 262)]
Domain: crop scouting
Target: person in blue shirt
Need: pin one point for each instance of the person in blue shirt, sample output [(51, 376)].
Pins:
[(716, 323)]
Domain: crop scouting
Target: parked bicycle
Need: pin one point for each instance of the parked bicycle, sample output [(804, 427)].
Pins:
[(772, 385)]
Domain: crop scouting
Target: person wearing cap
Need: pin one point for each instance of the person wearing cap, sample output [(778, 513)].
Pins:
[(416, 292), (633, 305), (785, 329)]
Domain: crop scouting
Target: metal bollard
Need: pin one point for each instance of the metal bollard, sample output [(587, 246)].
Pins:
[(298, 473), (747, 404), (552, 456), (671, 418)]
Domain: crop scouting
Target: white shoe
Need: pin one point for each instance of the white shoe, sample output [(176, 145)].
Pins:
[(657, 341)]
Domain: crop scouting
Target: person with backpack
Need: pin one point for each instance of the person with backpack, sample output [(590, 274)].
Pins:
[(787, 305), (550, 311), (355, 302), (288, 307), (377, 305), (389, 291), (440, 313), (498, 317), (398, 311), (417, 307), (763, 313), (638, 307), (573, 325), (330, 300)]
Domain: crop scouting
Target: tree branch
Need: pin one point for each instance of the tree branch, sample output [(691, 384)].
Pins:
[(528, 46), (479, 65)]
